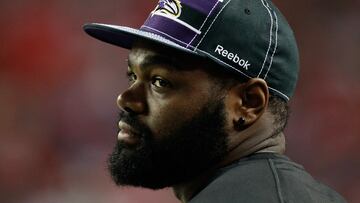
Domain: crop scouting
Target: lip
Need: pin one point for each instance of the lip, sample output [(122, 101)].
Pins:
[(127, 134)]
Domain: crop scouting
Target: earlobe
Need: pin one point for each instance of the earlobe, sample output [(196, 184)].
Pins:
[(248, 102), (239, 125)]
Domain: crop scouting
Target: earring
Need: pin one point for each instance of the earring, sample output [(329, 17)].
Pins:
[(239, 124)]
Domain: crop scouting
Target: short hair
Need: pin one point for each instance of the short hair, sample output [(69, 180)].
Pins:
[(280, 109)]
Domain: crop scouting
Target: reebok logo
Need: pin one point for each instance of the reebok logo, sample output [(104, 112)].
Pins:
[(233, 57)]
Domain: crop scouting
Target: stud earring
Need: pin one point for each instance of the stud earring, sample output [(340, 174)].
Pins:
[(239, 124)]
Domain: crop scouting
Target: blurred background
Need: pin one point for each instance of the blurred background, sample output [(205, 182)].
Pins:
[(58, 89)]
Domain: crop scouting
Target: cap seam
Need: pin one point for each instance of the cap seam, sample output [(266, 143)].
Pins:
[(185, 24), (277, 91), (270, 40), (212, 24), (276, 43), (202, 25)]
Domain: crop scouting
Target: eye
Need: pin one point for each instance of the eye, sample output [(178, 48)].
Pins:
[(158, 82), (131, 77)]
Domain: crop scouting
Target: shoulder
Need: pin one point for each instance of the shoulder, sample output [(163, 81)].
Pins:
[(265, 177)]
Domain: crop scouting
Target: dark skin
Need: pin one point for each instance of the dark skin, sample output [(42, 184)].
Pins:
[(167, 87)]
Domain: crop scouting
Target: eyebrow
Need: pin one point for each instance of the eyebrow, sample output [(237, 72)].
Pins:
[(156, 59)]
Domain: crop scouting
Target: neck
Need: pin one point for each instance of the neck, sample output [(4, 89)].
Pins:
[(258, 137), (254, 139)]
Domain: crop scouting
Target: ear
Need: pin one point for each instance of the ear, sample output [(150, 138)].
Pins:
[(247, 102)]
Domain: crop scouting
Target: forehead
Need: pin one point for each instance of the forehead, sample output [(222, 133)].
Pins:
[(139, 53), (143, 56)]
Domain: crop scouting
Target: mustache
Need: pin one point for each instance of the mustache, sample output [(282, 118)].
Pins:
[(134, 122)]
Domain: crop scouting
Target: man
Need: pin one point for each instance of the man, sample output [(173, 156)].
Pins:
[(207, 103)]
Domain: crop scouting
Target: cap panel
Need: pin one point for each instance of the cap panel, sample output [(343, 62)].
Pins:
[(282, 73), (177, 29), (247, 40), (180, 20), (202, 6)]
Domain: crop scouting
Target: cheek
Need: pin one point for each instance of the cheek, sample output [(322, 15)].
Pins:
[(170, 110), (166, 116)]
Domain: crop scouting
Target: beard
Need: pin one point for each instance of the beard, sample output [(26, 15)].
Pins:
[(175, 156)]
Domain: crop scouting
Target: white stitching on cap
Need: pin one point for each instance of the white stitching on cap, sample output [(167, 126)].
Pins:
[(202, 25), (179, 21), (168, 36), (275, 90), (212, 24), (262, 67), (276, 44)]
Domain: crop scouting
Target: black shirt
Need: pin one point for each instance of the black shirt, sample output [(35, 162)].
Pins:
[(265, 178)]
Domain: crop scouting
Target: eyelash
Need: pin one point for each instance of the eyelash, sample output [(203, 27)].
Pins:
[(162, 83)]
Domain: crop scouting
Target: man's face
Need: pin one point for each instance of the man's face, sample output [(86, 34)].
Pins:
[(172, 122)]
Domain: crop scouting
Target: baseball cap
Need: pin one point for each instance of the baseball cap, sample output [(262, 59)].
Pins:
[(251, 38)]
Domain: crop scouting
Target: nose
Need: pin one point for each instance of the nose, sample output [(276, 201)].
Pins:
[(132, 100)]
